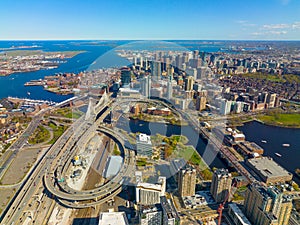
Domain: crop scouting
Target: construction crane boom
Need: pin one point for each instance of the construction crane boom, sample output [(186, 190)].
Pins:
[(221, 206)]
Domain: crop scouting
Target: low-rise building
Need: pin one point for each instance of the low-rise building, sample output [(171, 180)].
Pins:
[(268, 170), (247, 148)]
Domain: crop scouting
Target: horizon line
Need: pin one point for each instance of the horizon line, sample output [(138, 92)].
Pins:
[(154, 39)]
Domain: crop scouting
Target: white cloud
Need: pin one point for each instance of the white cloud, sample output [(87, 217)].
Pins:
[(245, 23), (271, 32), (276, 26), (277, 32), (296, 25)]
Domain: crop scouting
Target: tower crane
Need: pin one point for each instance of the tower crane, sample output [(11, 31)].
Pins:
[(221, 206)]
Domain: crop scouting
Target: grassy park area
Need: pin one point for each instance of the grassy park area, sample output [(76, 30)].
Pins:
[(68, 113), (40, 135), (57, 132), (281, 119), (175, 147)]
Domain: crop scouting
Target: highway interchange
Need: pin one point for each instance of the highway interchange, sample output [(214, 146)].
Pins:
[(54, 164), (41, 172)]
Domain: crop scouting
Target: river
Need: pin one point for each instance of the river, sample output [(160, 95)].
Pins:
[(152, 128), (275, 137)]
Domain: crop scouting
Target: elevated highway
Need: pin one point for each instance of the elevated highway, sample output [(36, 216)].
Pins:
[(15, 207), (58, 169)]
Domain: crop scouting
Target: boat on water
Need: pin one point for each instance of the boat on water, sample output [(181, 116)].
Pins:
[(263, 141), (28, 93), (277, 154), (285, 145)]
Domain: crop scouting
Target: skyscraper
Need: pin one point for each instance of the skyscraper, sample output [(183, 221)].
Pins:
[(187, 181), (125, 76), (225, 107), (156, 70), (267, 205), (169, 84), (189, 83), (201, 103), (146, 86), (221, 184)]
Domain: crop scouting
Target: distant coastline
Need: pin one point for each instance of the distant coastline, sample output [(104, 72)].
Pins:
[(23, 61)]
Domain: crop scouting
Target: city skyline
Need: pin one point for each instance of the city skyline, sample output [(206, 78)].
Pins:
[(170, 20)]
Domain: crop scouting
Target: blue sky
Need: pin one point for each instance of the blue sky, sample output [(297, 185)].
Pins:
[(150, 19)]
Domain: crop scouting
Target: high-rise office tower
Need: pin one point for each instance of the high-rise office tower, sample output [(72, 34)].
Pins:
[(212, 59), (201, 103), (146, 86), (221, 184), (202, 72), (169, 84), (189, 82), (166, 63), (141, 62), (267, 205), (169, 88), (125, 76), (225, 107), (134, 61), (146, 64), (187, 181), (156, 70), (196, 54), (203, 57), (179, 61)]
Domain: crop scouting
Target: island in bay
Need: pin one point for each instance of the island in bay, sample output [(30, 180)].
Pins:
[(18, 61)]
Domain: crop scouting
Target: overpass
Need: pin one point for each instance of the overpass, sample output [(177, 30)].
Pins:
[(71, 197)]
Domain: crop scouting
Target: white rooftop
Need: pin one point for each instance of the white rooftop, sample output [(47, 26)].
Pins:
[(113, 166), (239, 135), (144, 138), (113, 218), (125, 89)]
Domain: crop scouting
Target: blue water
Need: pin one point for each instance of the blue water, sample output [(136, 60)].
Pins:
[(275, 137), (13, 85)]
